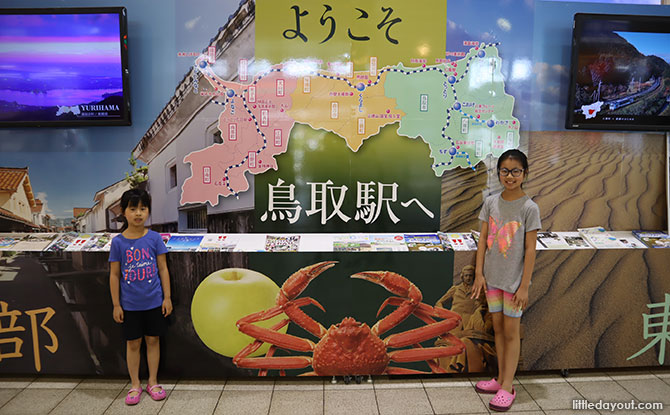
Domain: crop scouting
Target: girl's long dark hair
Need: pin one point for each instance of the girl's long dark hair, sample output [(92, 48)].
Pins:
[(133, 198)]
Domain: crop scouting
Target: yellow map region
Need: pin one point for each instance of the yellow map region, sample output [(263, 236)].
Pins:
[(354, 108)]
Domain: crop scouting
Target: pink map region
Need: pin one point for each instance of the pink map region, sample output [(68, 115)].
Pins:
[(252, 137)]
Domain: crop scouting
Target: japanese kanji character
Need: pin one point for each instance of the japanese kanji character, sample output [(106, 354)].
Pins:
[(369, 208), (10, 328), (49, 312), (661, 329), (320, 202), (282, 203)]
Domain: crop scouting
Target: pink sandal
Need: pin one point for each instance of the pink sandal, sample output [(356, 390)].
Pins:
[(488, 386), (503, 400), (156, 395), (133, 399)]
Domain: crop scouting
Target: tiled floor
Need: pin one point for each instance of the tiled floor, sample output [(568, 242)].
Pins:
[(536, 394)]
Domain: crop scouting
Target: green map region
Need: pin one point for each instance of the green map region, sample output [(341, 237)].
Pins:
[(460, 109)]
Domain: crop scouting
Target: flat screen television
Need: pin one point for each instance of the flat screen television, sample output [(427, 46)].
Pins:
[(620, 73), (64, 67)]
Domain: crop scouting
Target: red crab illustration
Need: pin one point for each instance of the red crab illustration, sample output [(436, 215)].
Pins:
[(350, 347)]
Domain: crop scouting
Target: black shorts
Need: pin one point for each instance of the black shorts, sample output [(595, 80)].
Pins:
[(137, 324)]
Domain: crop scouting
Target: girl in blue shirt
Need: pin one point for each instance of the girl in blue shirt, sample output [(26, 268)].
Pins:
[(140, 287)]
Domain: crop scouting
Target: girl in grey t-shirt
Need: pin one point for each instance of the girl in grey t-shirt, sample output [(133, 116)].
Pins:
[(505, 261)]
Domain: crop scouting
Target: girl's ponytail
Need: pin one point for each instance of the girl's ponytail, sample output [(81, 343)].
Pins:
[(123, 219)]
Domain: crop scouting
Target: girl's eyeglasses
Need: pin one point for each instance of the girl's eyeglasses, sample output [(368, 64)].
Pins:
[(515, 172)]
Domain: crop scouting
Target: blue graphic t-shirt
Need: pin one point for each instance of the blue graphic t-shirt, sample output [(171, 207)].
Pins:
[(140, 282)]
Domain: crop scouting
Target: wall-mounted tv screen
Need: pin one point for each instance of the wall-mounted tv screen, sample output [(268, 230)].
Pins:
[(620, 73), (64, 67)]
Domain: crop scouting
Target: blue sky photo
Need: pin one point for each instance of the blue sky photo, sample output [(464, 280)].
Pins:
[(657, 44)]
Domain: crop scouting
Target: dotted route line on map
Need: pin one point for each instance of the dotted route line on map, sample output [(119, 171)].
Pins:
[(451, 79), (230, 94)]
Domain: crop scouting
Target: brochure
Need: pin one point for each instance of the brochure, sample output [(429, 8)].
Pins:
[(653, 239), (184, 243), (631, 242), (165, 237), (552, 240), (388, 243), (78, 243), (352, 242), (99, 242), (7, 241), (34, 241), (423, 242), (108, 246), (599, 238), (575, 240), (62, 242), (282, 243), (217, 243), (459, 241)]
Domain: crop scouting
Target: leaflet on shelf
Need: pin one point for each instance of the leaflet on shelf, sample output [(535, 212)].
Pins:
[(458, 241), (275, 243), (99, 242), (61, 243), (423, 242), (33, 241), (631, 242), (653, 239), (599, 238), (214, 242), (165, 237), (78, 243), (7, 242), (552, 240), (184, 243), (575, 240), (355, 242), (388, 243)]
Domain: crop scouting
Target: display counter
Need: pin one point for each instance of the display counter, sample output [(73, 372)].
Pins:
[(588, 309)]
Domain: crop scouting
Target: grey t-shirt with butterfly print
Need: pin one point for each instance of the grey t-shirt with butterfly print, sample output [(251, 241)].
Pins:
[(508, 223)]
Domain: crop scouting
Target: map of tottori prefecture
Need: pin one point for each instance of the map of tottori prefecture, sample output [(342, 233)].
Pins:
[(460, 109)]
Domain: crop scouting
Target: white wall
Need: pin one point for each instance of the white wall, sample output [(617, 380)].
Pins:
[(164, 203), (195, 136), (17, 203)]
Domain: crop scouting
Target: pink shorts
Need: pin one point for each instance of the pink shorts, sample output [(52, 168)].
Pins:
[(500, 300)]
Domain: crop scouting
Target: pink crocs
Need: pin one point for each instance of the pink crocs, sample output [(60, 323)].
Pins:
[(156, 392), (133, 399), (487, 386), (503, 400)]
